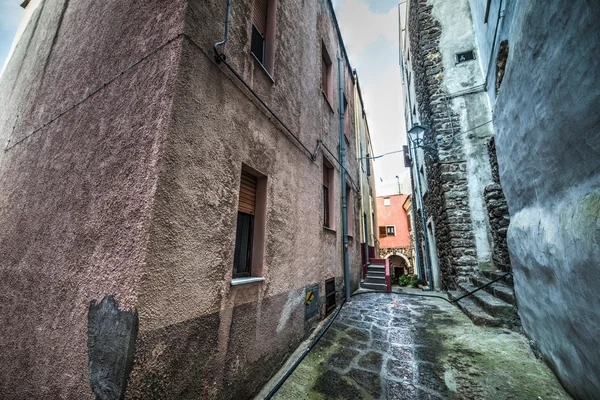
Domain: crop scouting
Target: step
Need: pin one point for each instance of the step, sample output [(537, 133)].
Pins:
[(376, 273), (376, 267), (473, 311), (375, 279), (497, 289), (374, 286), (489, 303), (491, 275)]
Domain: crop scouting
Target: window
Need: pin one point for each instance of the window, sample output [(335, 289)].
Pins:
[(250, 229), (386, 201), (388, 230), (350, 209), (346, 121), (262, 44), (466, 56), (487, 11), (368, 164), (328, 196), (409, 222), (326, 74), (330, 294)]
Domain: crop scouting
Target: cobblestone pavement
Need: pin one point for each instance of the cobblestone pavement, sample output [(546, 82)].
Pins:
[(386, 346)]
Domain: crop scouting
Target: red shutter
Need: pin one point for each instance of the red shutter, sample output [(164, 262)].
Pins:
[(247, 193), (259, 15)]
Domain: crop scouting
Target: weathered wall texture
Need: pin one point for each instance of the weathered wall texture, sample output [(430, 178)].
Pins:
[(76, 193), (240, 334), (133, 193), (498, 213), (548, 145)]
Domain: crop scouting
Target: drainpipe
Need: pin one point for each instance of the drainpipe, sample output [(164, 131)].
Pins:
[(343, 169), (420, 268), (425, 240)]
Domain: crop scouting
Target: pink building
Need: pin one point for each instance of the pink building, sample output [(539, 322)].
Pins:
[(395, 224), (167, 202)]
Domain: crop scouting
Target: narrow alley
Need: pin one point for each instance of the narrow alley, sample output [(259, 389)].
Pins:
[(299, 199), (392, 346)]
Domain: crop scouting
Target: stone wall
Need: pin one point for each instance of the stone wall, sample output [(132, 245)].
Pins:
[(447, 199), (497, 213), (547, 138)]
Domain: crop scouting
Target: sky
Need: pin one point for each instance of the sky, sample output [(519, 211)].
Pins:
[(370, 32), (10, 15)]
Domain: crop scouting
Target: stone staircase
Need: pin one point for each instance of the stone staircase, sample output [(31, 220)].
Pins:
[(495, 305), (375, 279)]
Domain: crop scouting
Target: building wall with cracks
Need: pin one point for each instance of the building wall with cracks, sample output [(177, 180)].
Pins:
[(124, 144)]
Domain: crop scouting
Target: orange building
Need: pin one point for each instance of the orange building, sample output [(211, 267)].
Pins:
[(395, 223)]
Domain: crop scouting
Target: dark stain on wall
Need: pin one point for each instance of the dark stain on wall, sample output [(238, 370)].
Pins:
[(111, 344)]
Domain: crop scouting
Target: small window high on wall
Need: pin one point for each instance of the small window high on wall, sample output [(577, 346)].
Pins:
[(326, 73), (350, 209), (262, 44), (328, 195)]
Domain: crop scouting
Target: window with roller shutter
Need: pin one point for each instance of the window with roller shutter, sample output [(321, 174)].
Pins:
[(242, 263)]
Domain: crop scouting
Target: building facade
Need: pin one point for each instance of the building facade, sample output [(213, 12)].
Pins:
[(440, 60), (394, 226), (171, 193), (493, 86), (366, 179)]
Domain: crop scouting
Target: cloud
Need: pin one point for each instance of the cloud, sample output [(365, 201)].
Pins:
[(370, 32), (361, 26)]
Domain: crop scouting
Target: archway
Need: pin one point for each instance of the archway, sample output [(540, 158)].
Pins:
[(399, 264)]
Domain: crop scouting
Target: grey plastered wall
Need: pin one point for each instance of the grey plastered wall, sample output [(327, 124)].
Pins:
[(548, 141)]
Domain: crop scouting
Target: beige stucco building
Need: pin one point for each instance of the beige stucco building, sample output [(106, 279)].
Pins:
[(167, 201)]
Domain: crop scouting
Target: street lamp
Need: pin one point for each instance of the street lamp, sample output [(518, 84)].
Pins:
[(417, 135)]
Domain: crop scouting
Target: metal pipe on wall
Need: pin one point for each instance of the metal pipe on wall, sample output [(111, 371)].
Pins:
[(420, 267), (343, 172)]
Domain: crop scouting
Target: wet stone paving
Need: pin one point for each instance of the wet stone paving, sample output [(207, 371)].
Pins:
[(388, 346)]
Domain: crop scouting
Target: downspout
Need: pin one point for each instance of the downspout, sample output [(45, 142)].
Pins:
[(420, 268), (343, 170), (226, 37), (425, 240)]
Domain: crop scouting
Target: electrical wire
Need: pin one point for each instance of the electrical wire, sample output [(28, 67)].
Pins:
[(93, 92)]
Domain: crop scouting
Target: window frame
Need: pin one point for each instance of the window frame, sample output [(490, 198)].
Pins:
[(328, 195), (267, 61), (257, 240), (326, 74)]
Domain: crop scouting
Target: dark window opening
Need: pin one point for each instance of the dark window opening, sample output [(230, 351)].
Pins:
[(257, 46), (244, 236), (330, 294), (242, 263), (368, 164), (382, 232), (466, 56), (326, 73), (325, 205)]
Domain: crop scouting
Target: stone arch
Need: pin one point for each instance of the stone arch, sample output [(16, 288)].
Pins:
[(399, 263)]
